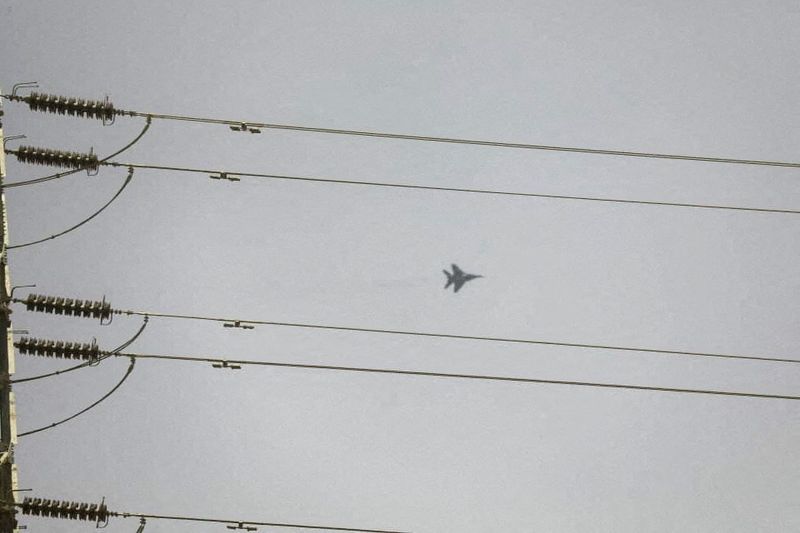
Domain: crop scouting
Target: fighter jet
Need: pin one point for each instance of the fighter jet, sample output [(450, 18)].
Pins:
[(458, 278)]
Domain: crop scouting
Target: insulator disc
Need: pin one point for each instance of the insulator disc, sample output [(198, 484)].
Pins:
[(68, 306), (64, 509), (66, 105), (56, 158), (62, 349)]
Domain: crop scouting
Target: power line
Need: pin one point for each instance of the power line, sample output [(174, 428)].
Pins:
[(69, 172), (106, 111), (79, 224), (112, 353), (461, 337), (109, 393), (451, 140), (227, 363), (90, 362), (100, 514), (227, 175), (244, 524)]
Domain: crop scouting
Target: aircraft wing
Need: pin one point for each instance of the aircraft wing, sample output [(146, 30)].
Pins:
[(458, 284)]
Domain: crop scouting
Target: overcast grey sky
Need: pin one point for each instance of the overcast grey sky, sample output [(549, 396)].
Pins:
[(426, 455)]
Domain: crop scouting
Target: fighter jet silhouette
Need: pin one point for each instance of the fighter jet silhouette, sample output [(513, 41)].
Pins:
[(458, 278)]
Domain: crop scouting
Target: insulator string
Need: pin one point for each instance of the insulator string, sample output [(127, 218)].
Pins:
[(70, 172)]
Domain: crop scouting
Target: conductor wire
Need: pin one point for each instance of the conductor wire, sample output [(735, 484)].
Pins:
[(453, 140), (448, 189), (464, 337), (476, 377), (79, 224), (250, 523), (109, 393)]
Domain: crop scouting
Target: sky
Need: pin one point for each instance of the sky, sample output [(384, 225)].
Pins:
[(716, 78)]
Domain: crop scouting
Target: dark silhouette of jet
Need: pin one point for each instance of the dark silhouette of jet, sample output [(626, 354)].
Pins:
[(458, 278)]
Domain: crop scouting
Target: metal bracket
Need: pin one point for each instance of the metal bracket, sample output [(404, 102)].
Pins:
[(5, 306), (107, 122), (103, 524), (12, 138), (24, 85), (7, 457), (15, 287), (92, 172)]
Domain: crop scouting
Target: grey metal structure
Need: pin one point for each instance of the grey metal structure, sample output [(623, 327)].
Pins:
[(8, 419)]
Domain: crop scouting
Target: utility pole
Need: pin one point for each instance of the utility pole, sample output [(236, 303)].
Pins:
[(8, 417)]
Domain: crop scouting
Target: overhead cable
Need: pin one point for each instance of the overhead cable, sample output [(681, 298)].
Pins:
[(233, 363), (79, 224), (227, 175), (105, 312), (245, 126), (109, 393), (107, 112), (462, 337), (244, 525)]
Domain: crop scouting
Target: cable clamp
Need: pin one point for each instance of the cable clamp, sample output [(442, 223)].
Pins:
[(243, 126), (224, 176), (225, 364), (237, 324), (243, 526)]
